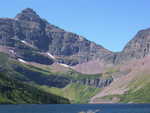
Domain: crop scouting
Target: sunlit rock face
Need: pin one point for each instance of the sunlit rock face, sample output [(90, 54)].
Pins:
[(137, 48), (29, 32), (28, 15), (98, 82), (29, 27)]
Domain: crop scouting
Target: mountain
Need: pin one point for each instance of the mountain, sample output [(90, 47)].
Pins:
[(136, 48), (50, 82), (33, 39), (130, 72), (28, 31), (63, 67), (131, 83)]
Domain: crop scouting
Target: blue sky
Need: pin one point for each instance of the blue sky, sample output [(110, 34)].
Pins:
[(111, 23)]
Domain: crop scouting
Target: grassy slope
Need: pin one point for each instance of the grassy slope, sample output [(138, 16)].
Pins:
[(76, 93), (46, 70), (139, 90), (16, 92), (142, 95), (79, 93), (73, 92)]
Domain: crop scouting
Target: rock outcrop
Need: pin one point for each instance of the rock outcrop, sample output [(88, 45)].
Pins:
[(28, 31), (137, 48), (97, 82)]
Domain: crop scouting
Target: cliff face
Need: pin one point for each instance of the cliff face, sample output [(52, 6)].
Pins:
[(28, 30), (97, 82), (136, 48)]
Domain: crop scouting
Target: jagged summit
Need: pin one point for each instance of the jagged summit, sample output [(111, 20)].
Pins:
[(29, 10), (28, 14)]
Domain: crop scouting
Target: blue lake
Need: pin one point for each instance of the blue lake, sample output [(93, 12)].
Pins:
[(76, 108)]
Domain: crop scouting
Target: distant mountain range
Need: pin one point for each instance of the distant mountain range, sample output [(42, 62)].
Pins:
[(31, 42)]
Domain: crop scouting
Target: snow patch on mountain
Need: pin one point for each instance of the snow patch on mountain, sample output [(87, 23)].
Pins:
[(65, 65), (21, 60), (23, 41), (50, 55)]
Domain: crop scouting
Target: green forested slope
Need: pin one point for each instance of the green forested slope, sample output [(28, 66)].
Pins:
[(13, 90)]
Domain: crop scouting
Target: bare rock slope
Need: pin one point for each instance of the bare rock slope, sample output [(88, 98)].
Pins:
[(28, 31)]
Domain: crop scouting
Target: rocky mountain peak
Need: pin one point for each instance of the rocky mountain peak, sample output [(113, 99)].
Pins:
[(137, 48), (140, 44), (29, 31), (29, 10), (28, 14)]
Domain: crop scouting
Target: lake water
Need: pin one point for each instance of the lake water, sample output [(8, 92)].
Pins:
[(77, 108)]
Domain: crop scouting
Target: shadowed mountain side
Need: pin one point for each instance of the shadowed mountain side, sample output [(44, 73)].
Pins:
[(15, 92)]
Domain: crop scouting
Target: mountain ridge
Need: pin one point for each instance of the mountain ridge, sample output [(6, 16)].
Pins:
[(71, 48), (64, 63), (55, 45)]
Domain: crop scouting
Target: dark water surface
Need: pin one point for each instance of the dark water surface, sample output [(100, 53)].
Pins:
[(77, 108)]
